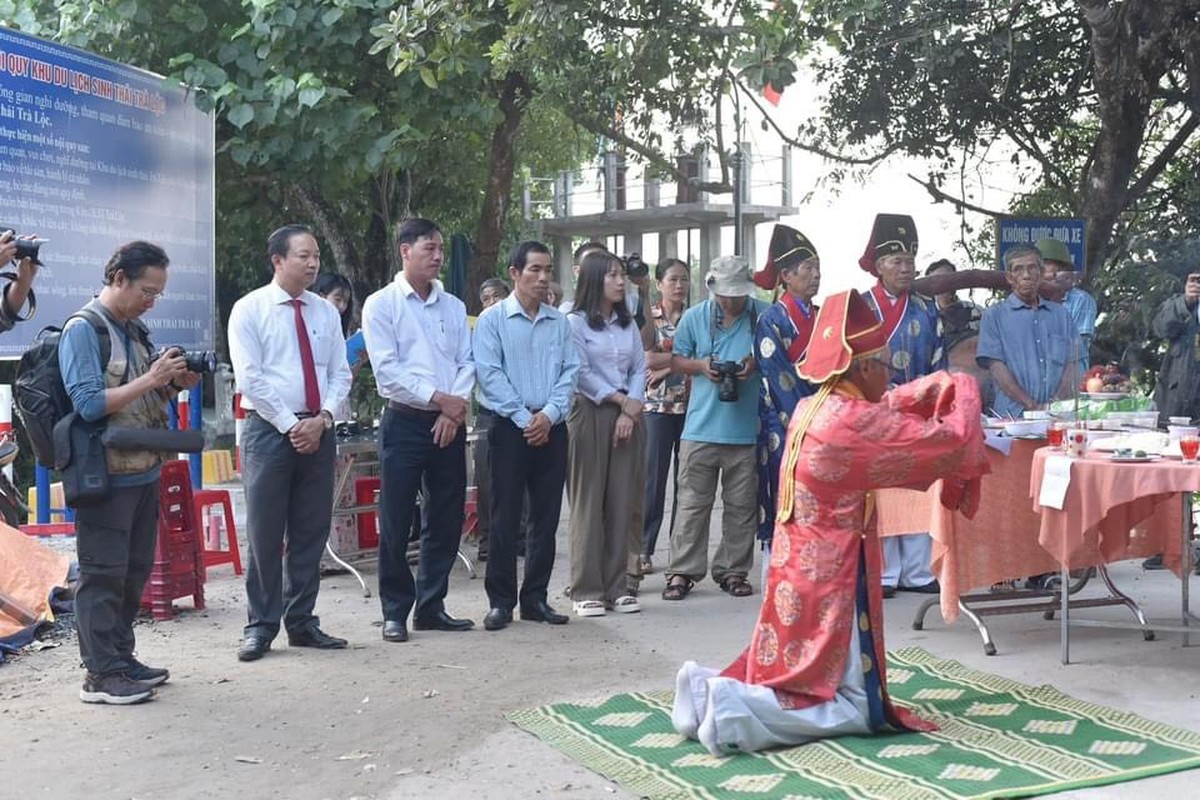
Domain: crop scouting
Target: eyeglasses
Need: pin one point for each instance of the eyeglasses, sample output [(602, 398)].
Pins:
[(151, 294)]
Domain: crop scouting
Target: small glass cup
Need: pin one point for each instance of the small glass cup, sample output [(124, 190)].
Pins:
[(1056, 434), (1189, 446)]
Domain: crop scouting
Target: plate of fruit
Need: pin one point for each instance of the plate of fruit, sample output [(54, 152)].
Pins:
[(1105, 383)]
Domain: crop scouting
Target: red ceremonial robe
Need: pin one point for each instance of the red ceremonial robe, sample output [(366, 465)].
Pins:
[(920, 432)]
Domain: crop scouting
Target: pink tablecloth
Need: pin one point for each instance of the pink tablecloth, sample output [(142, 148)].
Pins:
[(1005, 539), (1115, 511)]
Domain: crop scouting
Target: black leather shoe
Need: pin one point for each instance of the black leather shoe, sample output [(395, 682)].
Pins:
[(889, 592), (542, 611), (394, 631), (442, 621), (928, 588), (315, 637), (253, 648), (496, 619)]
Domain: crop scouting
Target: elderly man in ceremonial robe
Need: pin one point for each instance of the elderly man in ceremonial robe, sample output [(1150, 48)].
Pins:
[(915, 347), (815, 664), (780, 339)]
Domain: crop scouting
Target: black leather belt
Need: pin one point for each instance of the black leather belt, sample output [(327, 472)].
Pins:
[(409, 411), (250, 412)]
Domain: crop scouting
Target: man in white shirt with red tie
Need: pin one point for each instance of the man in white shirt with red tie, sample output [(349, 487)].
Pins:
[(420, 348), (288, 442)]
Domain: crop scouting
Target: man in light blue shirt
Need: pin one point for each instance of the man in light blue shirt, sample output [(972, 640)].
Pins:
[(526, 365), (1028, 344), (714, 343)]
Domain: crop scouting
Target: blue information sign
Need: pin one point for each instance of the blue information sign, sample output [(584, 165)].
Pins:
[(1012, 231), (94, 154)]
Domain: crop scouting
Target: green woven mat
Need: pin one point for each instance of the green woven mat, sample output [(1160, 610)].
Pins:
[(998, 738)]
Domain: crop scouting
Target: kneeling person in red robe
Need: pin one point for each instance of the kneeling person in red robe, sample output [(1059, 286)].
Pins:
[(815, 665)]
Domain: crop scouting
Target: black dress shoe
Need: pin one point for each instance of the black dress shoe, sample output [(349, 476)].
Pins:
[(394, 631), (542, 611), (253, 648), (442, 621), (928, 588), (889, 592), (496, 619), (315, 637)]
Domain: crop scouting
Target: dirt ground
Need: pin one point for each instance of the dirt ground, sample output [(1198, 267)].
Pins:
[(426, 718)]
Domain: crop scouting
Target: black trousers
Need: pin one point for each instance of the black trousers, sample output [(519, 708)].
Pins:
[(516, 468), (663, 432), (408, 456), (289, 501), (115, 542)]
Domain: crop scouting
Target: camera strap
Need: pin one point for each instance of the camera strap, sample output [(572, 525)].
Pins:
[(31, 300), (712, 324)]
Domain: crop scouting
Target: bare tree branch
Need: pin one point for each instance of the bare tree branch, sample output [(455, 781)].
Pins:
[(820, 151), (1155, 168), (940, 196)]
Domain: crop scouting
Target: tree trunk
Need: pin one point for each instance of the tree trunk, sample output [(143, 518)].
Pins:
[(1130, 45), (514, 95)]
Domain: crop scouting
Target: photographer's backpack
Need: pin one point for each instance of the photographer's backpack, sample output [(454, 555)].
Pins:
[(39, 394)]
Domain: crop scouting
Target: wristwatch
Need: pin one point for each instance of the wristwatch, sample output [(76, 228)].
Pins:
[(325, 415)]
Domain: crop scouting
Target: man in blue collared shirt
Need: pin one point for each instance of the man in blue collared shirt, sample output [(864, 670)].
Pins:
[(1028, 344), (420, 349), (526, 364)]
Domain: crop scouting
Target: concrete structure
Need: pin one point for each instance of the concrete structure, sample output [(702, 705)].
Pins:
[(610, 208)]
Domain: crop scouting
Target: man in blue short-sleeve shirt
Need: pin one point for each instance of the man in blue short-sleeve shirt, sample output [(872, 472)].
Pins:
[(718, 435), (1029, 345)]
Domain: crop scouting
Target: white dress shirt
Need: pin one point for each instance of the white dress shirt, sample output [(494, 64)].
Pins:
[(265, 352), (418, 347)]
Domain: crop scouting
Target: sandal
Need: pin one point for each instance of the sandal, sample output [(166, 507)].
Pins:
[(626, 604), (677, 591), (589, 608), (737, 586)]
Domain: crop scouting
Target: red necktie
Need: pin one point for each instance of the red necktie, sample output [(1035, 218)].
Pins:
[(312, 390)]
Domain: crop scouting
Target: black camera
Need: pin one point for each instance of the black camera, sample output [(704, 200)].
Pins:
[(727, 379), (26, 248), (635, 267), (199, 361)]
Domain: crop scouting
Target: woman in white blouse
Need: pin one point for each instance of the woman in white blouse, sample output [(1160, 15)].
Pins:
[(607, 437)]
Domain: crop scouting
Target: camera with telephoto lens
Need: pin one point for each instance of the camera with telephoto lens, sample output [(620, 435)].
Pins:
[(635, 267), (199, 361), (727, 379), (26, 248)]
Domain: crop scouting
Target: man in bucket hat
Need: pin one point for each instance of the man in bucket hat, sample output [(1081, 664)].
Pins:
[(915, 348), (815, 666), (713, 343)]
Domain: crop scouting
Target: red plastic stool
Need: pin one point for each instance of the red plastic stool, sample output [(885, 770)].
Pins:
[(210, 540)]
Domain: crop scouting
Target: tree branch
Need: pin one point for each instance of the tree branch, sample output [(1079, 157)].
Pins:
[(815, 150), (660, 21), (940, 196), (1101, 18), (1151, 173)]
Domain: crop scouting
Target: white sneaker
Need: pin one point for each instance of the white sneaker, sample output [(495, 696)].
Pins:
[(589, 608), (627, 604)]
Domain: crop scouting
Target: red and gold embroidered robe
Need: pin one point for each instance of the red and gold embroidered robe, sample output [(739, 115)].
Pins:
[(920, 432)]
